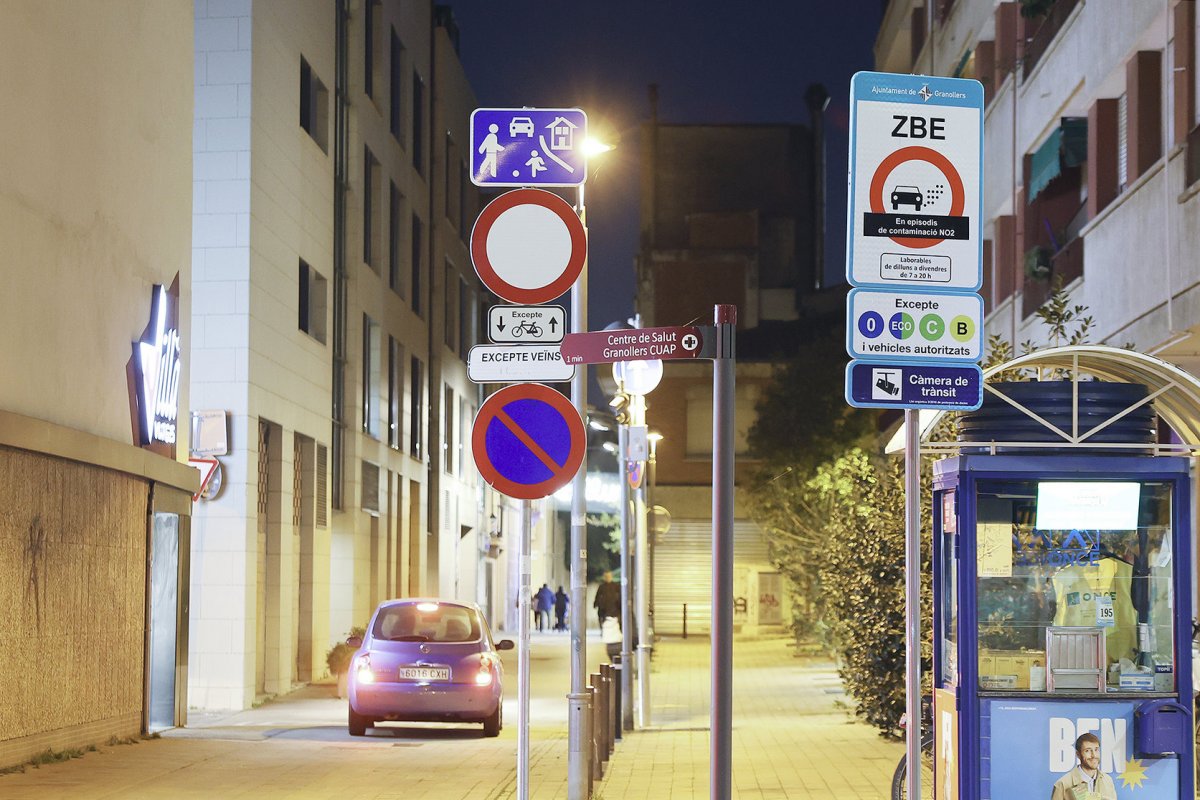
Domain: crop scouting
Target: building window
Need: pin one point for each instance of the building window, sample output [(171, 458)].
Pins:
[(451, 183), (448, 448), (700, 419), (371, 20), (396, 100), (314, 106), (1122, 142), (395, 218), (395, 391), (416, 265), (416, 430), (466, 319), (312, 302), (371, 210), (370, 377), (463, 232), (466, 416), (451, 290), (418, 123)]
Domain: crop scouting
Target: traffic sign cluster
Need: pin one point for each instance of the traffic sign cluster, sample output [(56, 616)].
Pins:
[(915, 320)]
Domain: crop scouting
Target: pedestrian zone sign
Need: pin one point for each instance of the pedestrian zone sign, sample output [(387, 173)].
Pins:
[(916, 163), (528, 147)]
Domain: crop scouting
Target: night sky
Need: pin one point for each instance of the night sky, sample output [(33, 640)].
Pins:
[(714, 62)]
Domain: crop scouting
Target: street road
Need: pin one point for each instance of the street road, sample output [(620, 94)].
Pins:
[(298, 747)]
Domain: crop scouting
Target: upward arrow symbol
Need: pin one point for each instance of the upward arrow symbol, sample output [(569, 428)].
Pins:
[(500, 324), (553, 324)]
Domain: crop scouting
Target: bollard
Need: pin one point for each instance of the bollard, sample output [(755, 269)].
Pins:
[(618, 727), (589, 742), (610, 686), (601, 754), (685, 620)]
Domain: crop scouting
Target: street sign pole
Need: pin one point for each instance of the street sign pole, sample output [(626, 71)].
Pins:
[(645, 635), (721, 740), (578, 719), (626, 608), (523, 652), (912, 596)]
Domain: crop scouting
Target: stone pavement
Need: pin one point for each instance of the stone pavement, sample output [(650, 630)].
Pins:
[(790, 739), (793, 736)]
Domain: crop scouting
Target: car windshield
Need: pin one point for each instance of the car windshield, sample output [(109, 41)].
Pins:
[(426, 622)]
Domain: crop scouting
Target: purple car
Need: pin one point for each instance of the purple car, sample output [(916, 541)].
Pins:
[(426, 660)]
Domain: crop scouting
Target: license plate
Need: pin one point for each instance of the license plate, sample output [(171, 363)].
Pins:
[(425, 673)]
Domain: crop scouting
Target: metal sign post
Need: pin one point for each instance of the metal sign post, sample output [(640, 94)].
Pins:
[(912, 597), (721, 741), (578, 716), (626, 608), (642, 556), (523, 652)]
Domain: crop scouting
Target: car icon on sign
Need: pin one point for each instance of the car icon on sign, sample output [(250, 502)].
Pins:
[(906, 196), (520, 125)]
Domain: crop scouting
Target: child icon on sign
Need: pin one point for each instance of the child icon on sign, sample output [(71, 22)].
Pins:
[(536, 164)]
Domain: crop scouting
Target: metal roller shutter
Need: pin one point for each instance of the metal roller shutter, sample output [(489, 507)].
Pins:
[(683, 572)]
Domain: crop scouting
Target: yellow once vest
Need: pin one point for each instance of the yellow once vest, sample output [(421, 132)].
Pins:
[(1077, 590)]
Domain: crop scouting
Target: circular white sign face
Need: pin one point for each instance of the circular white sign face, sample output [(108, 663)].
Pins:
[(639, 377), (528, 246)]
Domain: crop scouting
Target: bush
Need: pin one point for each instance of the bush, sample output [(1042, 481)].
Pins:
[(338, 657)]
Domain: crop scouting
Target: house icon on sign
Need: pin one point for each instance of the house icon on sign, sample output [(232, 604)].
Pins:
[(562, 134)]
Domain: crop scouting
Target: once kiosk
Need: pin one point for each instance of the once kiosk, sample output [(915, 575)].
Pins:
[(1062, 608)]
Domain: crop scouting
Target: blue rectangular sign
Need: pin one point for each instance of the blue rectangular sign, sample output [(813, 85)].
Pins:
[(528, 147), (878, 384)]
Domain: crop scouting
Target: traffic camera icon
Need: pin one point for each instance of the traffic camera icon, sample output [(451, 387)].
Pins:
[(884, 383)]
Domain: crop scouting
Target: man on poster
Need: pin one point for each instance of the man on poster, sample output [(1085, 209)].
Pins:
[(1086, 781)]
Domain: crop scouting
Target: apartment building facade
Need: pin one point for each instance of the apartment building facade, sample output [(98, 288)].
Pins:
[(95, 309), (335, 303)]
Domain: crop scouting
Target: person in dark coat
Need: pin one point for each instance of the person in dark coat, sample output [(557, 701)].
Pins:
[(561, 601), (608, 600), (543, 601)]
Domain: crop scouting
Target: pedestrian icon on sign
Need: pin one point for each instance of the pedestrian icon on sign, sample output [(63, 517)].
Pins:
[(490, 148), (535, 163), (884, 384)]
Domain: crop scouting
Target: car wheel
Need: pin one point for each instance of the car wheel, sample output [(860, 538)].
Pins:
[(494, 722), (358, 724)]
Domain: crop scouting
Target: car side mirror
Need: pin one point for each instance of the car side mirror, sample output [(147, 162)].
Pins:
[(505, 644), (354, 641)]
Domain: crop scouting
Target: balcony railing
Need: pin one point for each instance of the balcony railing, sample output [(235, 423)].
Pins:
[(1037, 45), (1067, 263)]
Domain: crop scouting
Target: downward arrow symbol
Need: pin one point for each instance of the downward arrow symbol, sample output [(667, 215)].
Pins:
[(500, 324)]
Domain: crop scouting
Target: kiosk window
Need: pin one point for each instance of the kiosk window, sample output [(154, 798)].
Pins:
[(1085, 566)]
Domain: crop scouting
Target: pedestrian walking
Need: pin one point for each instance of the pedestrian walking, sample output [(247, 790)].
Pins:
[(608, 600), (561, 601), (544, 601)]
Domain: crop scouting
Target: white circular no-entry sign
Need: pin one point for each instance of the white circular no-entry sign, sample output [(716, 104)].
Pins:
[(528, 246)]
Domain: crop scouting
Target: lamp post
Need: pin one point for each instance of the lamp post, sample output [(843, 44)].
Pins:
[(637, 379)]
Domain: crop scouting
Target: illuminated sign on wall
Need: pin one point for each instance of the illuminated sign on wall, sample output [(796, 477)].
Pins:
[(156, 373)]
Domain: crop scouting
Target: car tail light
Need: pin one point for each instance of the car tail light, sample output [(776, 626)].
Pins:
[(362, 669), (487, 663)]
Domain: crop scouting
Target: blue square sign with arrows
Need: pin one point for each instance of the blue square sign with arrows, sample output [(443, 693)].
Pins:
[(528, 147)]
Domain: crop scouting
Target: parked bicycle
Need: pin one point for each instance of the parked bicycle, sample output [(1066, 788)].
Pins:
[(527, 327), (900, 777)]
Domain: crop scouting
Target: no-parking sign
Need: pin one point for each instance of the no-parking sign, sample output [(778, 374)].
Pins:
[(528, 441), (916, 161)]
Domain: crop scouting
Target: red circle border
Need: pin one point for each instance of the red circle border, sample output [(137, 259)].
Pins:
[(958, 193), (502, 288)]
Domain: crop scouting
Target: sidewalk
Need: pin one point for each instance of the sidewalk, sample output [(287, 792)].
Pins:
[(790, 737)]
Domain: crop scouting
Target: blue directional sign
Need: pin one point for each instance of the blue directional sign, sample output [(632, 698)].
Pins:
[(528, 441), (878, 384), (528, 147)]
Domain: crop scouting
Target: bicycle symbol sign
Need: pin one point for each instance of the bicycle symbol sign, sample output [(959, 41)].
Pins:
[(528, 324)]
